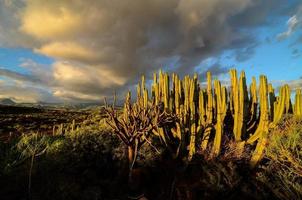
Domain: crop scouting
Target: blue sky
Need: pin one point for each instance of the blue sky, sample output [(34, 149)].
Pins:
[(273, 58), (12, 58), (62, 51)]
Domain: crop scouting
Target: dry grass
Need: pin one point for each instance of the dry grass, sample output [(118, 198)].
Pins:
[(283, 171)]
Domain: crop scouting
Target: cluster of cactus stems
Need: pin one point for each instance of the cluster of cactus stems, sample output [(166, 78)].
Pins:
[(64, 128), (202, 112)]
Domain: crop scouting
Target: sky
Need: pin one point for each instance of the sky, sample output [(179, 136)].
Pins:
[(83, 51)]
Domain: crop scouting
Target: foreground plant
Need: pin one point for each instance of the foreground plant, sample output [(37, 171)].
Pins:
[(202, 113), (283, 171), (138, 122), (32, 146)]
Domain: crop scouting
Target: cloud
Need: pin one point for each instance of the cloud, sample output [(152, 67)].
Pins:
[(55, 20), (104, 46), (293, 23), (77, 79), (10, 35), (69, 51), (18, 76), (293, 84), (216, 70), (24, 93)]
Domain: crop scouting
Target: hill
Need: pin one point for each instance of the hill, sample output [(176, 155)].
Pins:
[(7, 101)]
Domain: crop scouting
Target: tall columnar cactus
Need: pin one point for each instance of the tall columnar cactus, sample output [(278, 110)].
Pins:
[(240, 102), (264, 111), (155, 89), (253, 105), (145, 97), (202, 109), (193, 84), (234, 90), (298, 103), (209, 113), (126, 106), (263, 127), (201, 112), (177, 93), (138, 94), (221, 102), (166, 90), (282, 105), (272, 100)]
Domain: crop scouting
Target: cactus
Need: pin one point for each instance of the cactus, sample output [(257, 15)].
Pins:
[(73, 125), (240, 102), (272, 100), (202, 109), (202, 112), (263, 127), (282, 105), (253, 105), (298, 103), (264, 111), (177, 94), (209, 113), (221, 95), (145, 98), (192, 92)]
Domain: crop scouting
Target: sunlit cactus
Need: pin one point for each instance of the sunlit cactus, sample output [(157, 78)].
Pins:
[(205, 112), (263, 127), (193, 120), (253, 107), (221, 101), (282, 104), (264, 111), (298, 103), (209, 113), (240, 103)]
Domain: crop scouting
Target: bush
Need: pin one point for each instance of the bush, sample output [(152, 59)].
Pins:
[(283, 171), (81, 164)]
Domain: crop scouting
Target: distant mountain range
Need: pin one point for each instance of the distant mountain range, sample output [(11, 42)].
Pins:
[(40, 104), (7, 101)]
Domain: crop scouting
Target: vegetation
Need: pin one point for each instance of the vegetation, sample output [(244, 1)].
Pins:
[(282, 172), (18, 120), (179, 140), (209, 113)]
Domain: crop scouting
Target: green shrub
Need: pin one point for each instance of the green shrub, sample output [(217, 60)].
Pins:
[(283, 171)]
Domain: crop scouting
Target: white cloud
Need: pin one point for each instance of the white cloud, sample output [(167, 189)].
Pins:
[(293, 23)]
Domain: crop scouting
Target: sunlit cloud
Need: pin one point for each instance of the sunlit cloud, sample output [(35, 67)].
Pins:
[(100, 46)]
